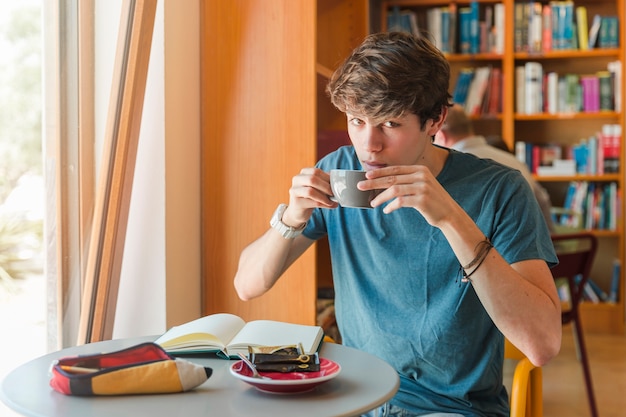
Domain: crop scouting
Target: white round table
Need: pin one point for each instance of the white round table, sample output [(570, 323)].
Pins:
[(364, 383)]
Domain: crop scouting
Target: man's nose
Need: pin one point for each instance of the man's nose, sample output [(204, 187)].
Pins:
[(372, 139)]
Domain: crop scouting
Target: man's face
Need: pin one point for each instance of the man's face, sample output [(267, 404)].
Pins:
[(398, 141)]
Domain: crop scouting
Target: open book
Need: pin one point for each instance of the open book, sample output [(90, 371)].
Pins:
[(228, 334)]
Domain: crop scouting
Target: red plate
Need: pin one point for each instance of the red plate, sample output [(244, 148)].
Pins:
[(289, 382)]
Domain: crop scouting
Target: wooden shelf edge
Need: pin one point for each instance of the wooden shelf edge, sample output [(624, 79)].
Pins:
[(580, 177)]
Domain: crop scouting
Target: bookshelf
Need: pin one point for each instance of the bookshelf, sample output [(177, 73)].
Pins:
[(518, 122), (341, 26)]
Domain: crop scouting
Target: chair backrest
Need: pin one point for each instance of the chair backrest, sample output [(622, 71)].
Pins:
[(576, 252), (526, 396)]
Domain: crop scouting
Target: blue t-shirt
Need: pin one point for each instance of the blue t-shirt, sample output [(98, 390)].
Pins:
[(398, 293)]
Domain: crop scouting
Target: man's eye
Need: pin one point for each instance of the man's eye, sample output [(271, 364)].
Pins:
[(391, 124), (356, 122)]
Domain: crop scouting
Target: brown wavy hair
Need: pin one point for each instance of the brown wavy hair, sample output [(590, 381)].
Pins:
[(392, 74)]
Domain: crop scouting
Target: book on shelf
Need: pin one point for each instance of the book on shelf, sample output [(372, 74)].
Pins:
[(492, 103), (498, 27), (518, 30), (453, 35), (227, 334), (594, 31), (474, 31), (590, 85), (615, 69), (610, 142), (434, 26), (476, 91), (582, 28), (402, 21), (551, 102), (602, 295), (570, 94), (574, 43), (588, 292), (535, 28), (445, 27), (615, 279), (594, 205), (533, 86), (609, 32), (606, 100), (461, 87), (546, 28), (520, 89), (561, 25), (559, 167), (465, 19), (562, 287)]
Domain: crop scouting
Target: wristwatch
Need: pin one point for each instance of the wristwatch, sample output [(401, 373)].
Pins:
[(276, 222)]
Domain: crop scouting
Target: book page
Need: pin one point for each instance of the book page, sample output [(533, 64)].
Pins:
[(275, 333), (210, 332)]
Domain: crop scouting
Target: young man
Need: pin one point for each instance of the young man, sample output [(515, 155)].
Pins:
[(457, 133), (453, 257)]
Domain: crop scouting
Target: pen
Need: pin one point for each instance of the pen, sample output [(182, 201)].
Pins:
[(79, 369)]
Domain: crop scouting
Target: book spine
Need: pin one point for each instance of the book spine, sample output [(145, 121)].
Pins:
[(572, 92), (605, 86), (594, 31), (588, 293), (546, 37), (552, 92), (474, 30), (611, 139), (615, 68), (495, 92), (614, 291), (536, 158), (609, 32), (520, 89), (499, 14), (602, 295), (485, 33), (465, 16), (557, 25), (476, 93), (520, 151), (533, 87), (568, 25), (535, 27), (462, 85), (590, 93), (445, 29), (603, 36), (592, 156), (433, 23), (519, 23), (583, 31)]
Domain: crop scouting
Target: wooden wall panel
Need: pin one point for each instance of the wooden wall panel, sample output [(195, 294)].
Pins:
[(258, 110)]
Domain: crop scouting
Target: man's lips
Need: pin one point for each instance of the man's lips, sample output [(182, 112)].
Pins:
[(370, 166)]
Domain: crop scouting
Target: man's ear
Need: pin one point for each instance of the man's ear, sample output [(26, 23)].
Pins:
[(436, 124)]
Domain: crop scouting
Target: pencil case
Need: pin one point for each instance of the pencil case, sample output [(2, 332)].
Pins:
[(141, 369)]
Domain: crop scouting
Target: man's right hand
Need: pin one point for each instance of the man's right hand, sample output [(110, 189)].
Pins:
[(309, 189)]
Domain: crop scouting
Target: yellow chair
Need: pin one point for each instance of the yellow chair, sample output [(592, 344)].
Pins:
[(526, 396)]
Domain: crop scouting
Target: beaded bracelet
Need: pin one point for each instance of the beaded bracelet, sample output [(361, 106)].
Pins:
[(478, 260)]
